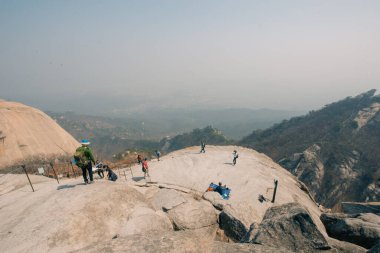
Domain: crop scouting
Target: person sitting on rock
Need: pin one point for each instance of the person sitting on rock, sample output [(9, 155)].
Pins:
[(111, 175), (99, 168)]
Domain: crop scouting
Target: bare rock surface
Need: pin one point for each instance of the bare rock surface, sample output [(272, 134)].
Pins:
[(291, 227), (221, 247), (166, 199), (344, 247), (252, 176), (65, 217), (28, 134), (193, 214), (361, 207), (235, 220), (194, 241), (360, 229), (144, 219), (72, 216), (215, 199)]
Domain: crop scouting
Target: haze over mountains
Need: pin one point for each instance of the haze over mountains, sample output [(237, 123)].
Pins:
[(335, 150)]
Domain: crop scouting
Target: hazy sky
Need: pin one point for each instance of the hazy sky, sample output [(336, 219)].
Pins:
[(67, 55)]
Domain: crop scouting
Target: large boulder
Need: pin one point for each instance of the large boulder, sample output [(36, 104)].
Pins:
[(215, 199), (344, 247), (144, 219), (222, 247), (167, 199), (291, 227), (375, 249), (193, 214), (359, 207), (360, 229), (236, 219)]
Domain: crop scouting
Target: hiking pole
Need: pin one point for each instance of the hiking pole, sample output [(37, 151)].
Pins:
[(56, 177), (275, 190), (23, 167)]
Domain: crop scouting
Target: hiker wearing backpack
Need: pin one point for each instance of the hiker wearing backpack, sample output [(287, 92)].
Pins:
[(145, 167), (84, 158), (235, 157)]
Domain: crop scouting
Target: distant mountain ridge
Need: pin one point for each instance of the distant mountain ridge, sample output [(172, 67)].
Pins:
[(335, 151)]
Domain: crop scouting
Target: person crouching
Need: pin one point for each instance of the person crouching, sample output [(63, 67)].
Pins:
[(111, 175)]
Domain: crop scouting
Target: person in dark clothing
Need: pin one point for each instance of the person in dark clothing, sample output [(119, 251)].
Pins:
[(139, 159), (158, 154), (100, 168), (111, 175), (203, 146), (235, 157), (219, 188)]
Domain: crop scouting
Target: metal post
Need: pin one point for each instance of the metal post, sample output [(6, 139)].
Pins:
[(23, 167), (275, 190), (56, 177), (130, 168), (75, 174), (125, 176)]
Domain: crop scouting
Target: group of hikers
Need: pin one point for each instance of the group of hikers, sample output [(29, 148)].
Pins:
[(84, 159)]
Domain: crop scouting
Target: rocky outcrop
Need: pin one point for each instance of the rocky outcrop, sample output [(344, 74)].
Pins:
[(307, 167), (215, 199), (236, 220), (221, 247), (344, 247), (360, 229), (30, 136), (341, 161), (290, 227), (193, 214), (366, 114), (167, 199), (144, 219), (375, 249), (361, 207), (195, 241)]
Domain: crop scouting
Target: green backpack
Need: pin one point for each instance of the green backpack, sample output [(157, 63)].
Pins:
[(80, 158)]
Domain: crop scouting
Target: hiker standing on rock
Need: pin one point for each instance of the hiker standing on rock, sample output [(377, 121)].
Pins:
[(158, 154), (139, 159), (235, 157), (145, 167), (84, 158), (203, 146)]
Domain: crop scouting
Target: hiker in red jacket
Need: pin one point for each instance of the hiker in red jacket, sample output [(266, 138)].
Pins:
[(145, 167)]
